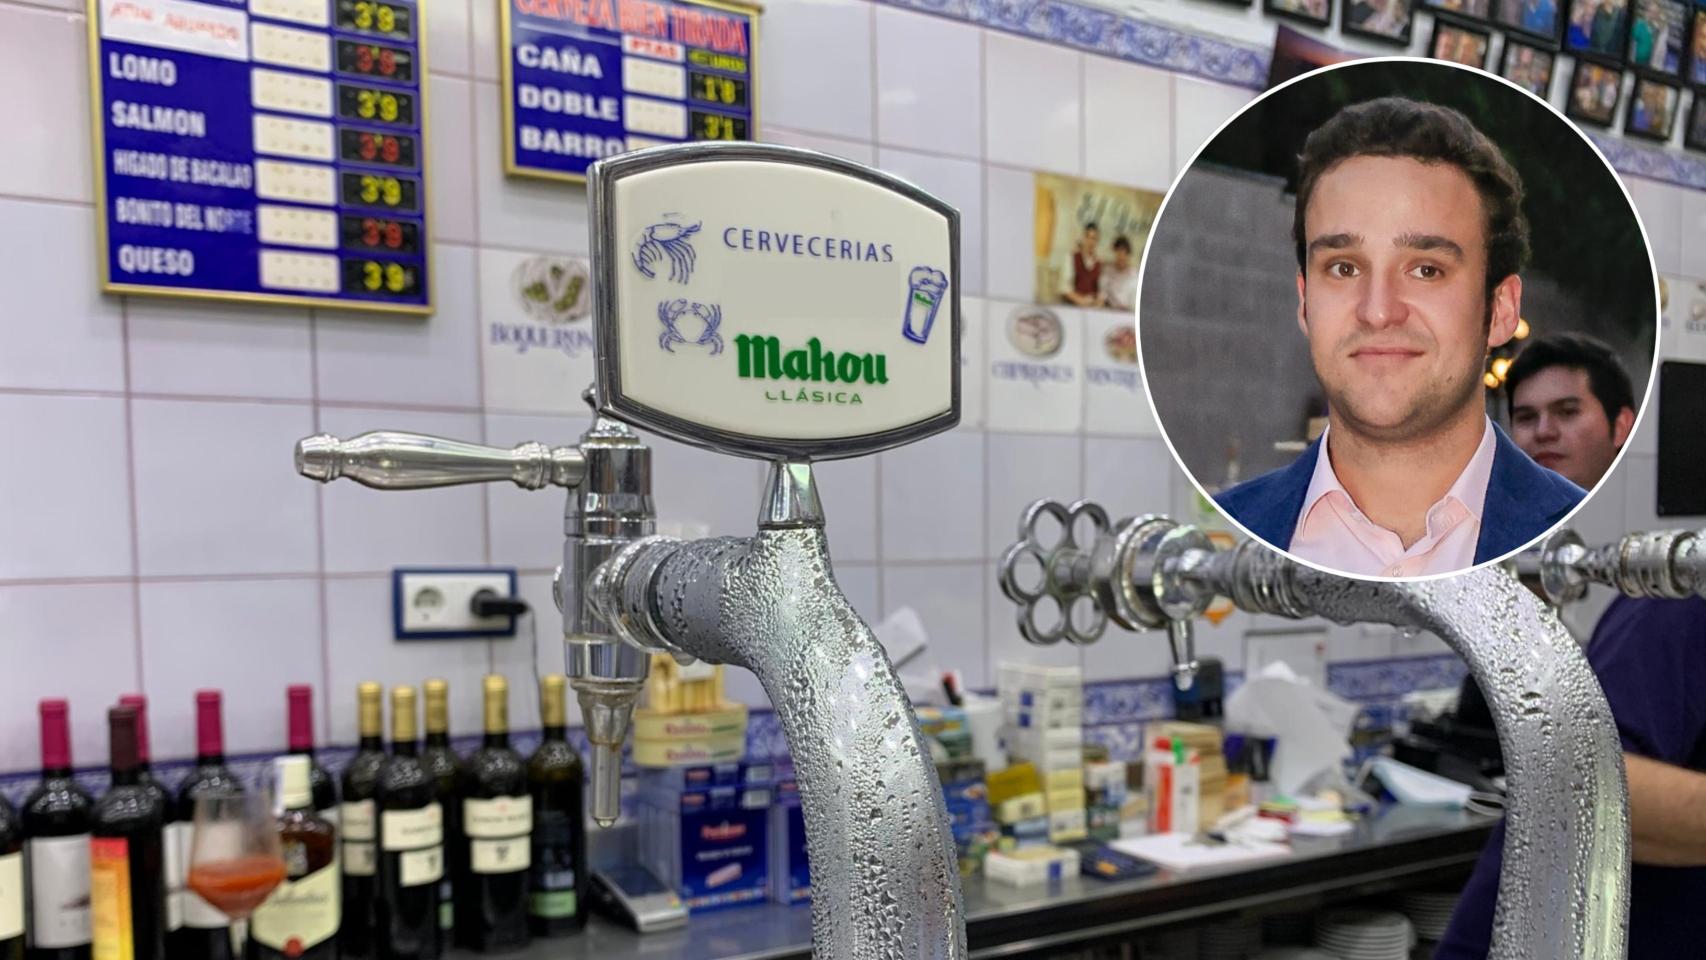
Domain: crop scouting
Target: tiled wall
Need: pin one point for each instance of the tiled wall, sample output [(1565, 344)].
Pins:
[(153, 535)]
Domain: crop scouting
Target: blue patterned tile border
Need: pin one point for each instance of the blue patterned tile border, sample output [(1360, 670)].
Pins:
[(1100, 30), (1367, 681), (1682, 169), (1127, 701), (1124, 741)]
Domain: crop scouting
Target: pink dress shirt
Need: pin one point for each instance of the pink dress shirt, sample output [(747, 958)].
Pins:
[(1333, 532)]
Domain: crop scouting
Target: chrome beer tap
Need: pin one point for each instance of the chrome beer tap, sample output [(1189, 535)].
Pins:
[(1668, 564), (1564, 889), (609, 505)]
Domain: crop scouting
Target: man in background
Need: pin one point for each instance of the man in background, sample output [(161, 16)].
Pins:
[(1572, 405), (1086, 286), (1119, 279)]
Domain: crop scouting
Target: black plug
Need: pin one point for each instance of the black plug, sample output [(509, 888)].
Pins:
[(487, 603)]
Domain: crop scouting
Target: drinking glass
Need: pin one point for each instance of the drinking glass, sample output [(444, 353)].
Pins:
[(235, 860)]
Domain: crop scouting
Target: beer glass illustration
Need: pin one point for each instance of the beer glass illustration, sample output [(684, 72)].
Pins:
[(924, 289)]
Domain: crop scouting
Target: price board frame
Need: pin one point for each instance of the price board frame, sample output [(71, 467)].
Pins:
[(99, 103), (506, 85)]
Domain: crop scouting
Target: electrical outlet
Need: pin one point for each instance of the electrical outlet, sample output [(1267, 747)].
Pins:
[(1303, 650), (429, 604)]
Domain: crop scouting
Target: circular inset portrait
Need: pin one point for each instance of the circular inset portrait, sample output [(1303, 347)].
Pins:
[(1397, 319)]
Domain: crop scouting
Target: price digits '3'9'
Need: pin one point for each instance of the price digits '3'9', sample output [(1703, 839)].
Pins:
[(366, 146), (376, 60), (375, 106), (381, 190), (715, 126), (380, 233), (386, 277), (373, 16)]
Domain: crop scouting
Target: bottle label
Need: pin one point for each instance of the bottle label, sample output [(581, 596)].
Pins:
[(500, 856), (11, 896), (555, 905), (330, 815), (300, 914), (109, 898), (176, 850), (420, 867), (197, 913), (358, 820), (59, 892), (498, 818), (412, 829), (361, 858)]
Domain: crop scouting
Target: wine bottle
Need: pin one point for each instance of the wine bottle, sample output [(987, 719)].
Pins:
[(497, 818), (300, 920), (446, 771), (411, 844), (301, 703), (176, 867), (127, 858), (11, 883), (206, 932), (557, 878), (358, 819), (57, 817)]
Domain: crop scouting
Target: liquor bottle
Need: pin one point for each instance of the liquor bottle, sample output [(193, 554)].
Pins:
[(127, 858), (301, 702), (446, 770), (206, 932), (411, 844), (300, 920), (557, 878), (11, 883), (57, 818), (497, 818), (358, 819), (176, 866)]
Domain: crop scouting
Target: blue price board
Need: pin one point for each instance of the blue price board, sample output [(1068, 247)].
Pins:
[(263, 150), (587, 79)]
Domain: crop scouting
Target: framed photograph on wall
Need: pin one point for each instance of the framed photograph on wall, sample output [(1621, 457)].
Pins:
[(1528, 66), (1388, 21), (1695, 72), (1315, 12), (1694, 138), (1459, 43), (1597, 29), (1652, 109), (1594, 89), (1540, 19), (1657, 34), (1473, 9)]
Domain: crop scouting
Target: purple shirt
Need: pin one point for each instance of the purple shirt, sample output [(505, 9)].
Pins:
[(1650, 656)]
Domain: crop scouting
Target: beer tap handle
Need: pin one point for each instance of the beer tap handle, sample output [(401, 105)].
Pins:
[(390, 460)]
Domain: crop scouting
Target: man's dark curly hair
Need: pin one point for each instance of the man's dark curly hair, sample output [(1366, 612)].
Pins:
[(1399, 127)]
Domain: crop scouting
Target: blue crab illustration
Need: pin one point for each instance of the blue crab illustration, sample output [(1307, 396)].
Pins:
[(709, 315), (667, 240)]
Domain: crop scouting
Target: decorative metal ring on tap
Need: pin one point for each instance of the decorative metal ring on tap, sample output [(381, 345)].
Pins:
[(1064, 574), (620, 591)]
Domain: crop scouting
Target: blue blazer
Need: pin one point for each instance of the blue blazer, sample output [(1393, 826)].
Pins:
[(1524, 500)]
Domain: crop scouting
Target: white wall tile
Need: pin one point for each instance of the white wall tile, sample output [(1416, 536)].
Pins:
[(527, 525), (1025, 467), (860, 582), (814, 66), (1640, 495), (45, 110), (447, 35), (692, 485), (1030, 393), (960, 184), (974, 366), (1128, 122), (1033, 104), (948, 598), (1693, 255), (361, 647), (1114, 399), (859, 151), (487, 48), (1128, 477), (381, 359), (371, 531), (76, 641), (1123, 655), (929, 83), (848, 490), (1600, 519), (516, 211), (190, 347), (215, 492), (1199, 108), (248, 639), (1007, 645), (62, 335), (1660, 206), (1010, 232), (517, 376), (65, 495), (933, 499), (453, 145), (522, 661)]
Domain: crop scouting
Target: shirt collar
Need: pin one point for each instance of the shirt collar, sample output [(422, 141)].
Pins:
[(1470, 488)]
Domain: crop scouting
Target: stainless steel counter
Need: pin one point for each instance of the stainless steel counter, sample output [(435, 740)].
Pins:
[(1396, 849)]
